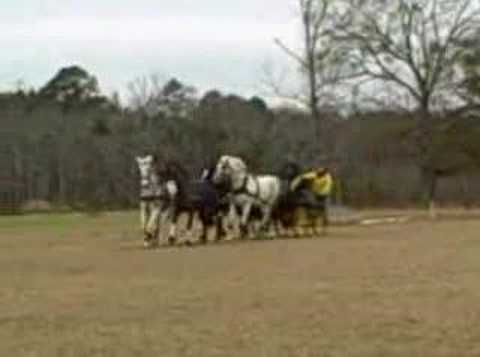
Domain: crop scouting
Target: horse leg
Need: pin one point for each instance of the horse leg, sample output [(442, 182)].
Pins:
[(266, 219), (203, 215), (158, 218), (172, 234), (143, 223), (278, 227), (314, 222), (244, 220), (204, 235), (191, 215), (145, 212), (231, 217), (309, 217), (290, 223), (284, 222), (143, 215), (325, 220), (220, 214), (300, 218), (220, 231), (281, 219), (152, 227), (321, 212)]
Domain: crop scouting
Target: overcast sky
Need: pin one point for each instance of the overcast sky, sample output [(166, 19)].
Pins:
[(207, 43)]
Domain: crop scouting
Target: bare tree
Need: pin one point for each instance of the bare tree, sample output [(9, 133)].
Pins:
[(143, 91), (321, 60), (312, 32), (415, 47)]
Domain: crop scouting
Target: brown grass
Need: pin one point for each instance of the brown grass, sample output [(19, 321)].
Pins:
[(82, 286)]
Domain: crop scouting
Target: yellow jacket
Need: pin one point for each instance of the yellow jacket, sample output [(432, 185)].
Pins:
[(319, 184)]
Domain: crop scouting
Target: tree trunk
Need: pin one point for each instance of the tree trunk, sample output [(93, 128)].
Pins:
[(311, 63), (62, 186), (429, 187), (425, 148)]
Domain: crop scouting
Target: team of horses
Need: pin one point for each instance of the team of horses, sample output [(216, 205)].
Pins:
[(226, 195)]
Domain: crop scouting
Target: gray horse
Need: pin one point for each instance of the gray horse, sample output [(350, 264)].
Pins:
[(154, 198)]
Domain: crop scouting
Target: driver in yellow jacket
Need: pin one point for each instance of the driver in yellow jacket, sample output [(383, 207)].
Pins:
[(313, 187)]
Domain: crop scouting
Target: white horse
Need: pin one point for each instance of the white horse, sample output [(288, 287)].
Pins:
[(154, 198), (248, 190)]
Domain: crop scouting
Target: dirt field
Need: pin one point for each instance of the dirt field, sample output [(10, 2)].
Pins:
[(74, 285)]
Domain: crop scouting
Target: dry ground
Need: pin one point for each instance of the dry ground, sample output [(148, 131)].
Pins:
[(74, 285)]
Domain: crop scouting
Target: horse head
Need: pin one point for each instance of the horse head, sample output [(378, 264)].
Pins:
[(147, 167), (230, 172), (290, 170), (229, 168)]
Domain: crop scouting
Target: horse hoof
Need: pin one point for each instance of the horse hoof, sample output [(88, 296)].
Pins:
[(171, 240), (150, 245), (243, 232)]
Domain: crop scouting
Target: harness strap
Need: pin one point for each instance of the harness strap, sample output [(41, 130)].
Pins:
[(243, 187), (163, 195), (148, 198), (243, 190), (160, 197)]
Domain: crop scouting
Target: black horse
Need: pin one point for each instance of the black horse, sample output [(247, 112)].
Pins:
[(284, 212), (194, 196), (303, 198)]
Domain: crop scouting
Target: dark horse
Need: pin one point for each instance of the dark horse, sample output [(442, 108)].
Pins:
[(291, 201), (284, 213), (194, 196)]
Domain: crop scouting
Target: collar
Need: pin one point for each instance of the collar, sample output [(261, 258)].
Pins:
[(243, 187)]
